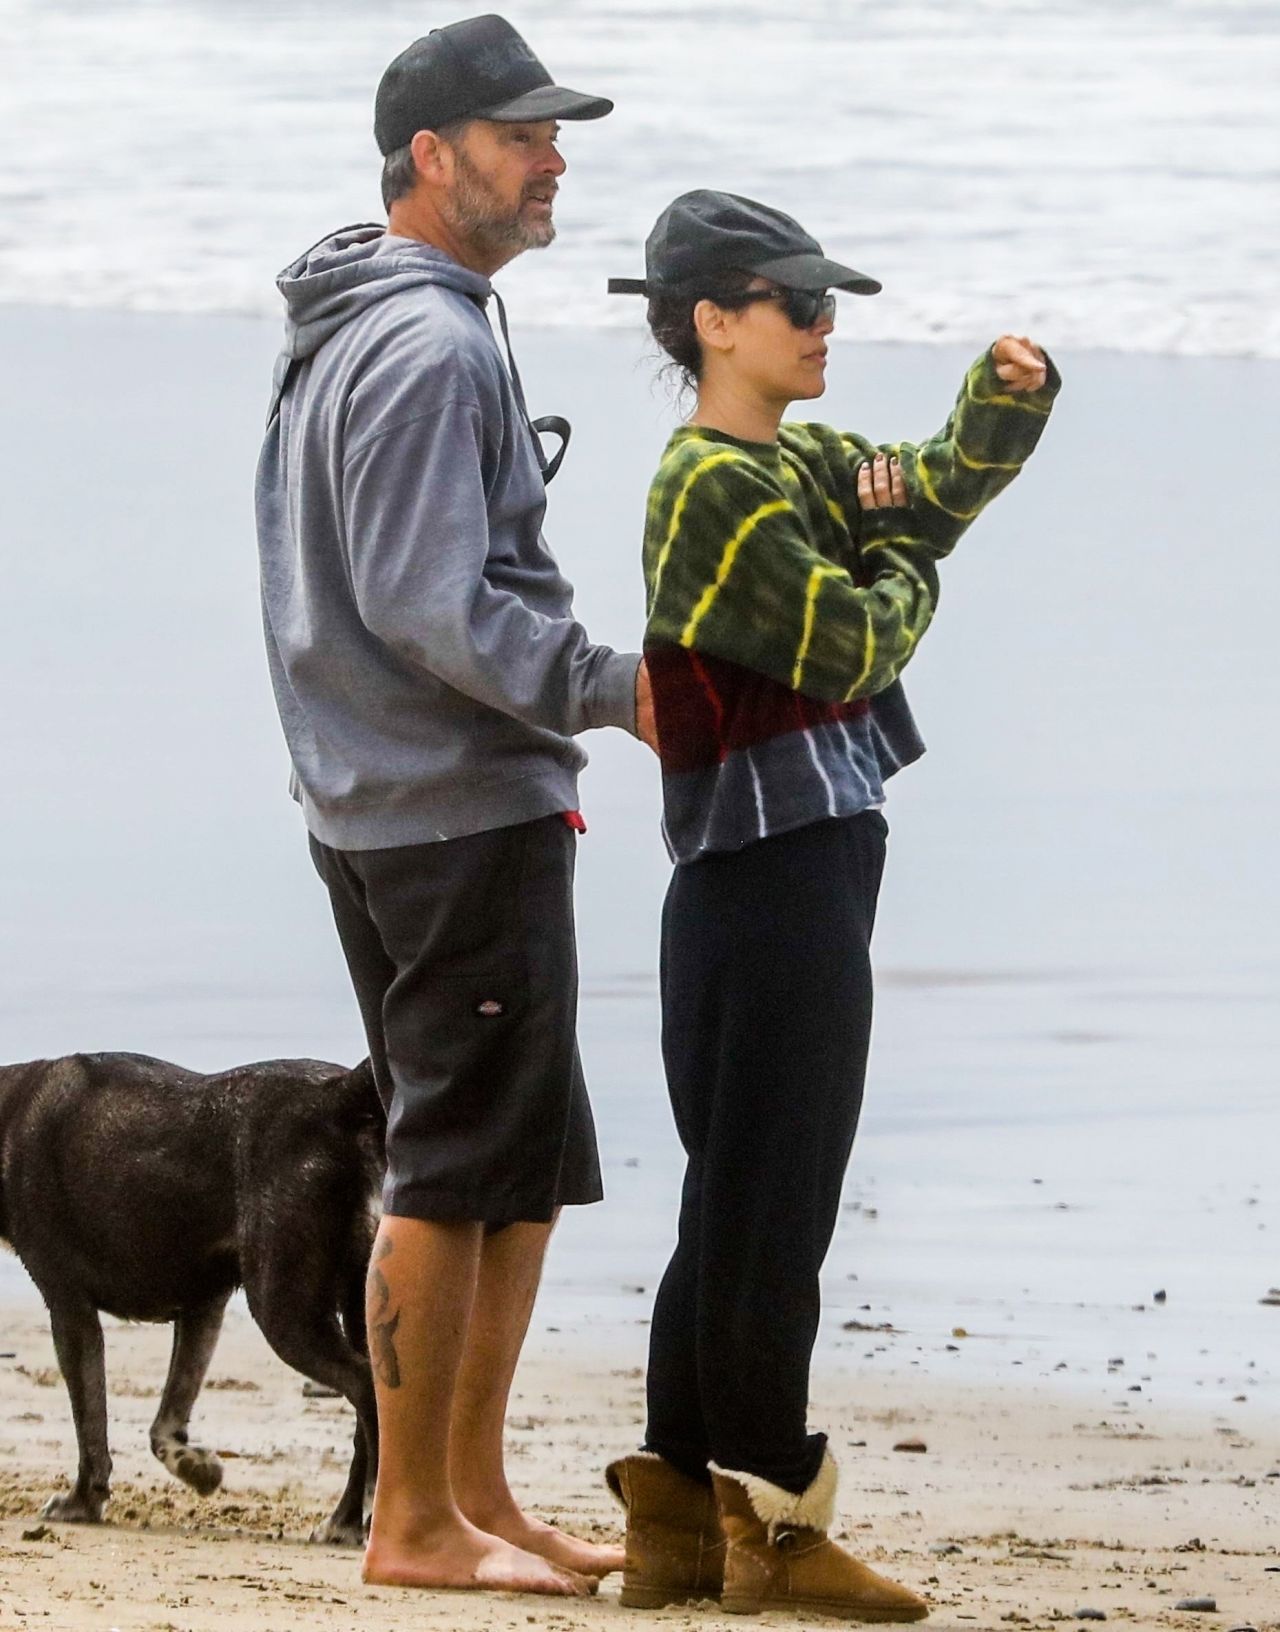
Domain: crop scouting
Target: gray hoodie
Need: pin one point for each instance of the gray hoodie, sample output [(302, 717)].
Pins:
[(428, 671)]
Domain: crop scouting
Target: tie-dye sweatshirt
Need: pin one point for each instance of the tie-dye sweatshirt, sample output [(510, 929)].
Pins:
[(780, 615)]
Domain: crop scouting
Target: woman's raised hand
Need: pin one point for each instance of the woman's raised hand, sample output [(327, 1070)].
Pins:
[(1019, 362), (880, 483)]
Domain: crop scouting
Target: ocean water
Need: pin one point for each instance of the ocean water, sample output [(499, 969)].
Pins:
[(1072, 1101), (1101, 173)]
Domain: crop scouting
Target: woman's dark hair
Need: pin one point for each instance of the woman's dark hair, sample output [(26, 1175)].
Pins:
[(671, 319)]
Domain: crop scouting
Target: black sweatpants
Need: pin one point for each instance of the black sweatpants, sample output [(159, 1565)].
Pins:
[(766, 1021)]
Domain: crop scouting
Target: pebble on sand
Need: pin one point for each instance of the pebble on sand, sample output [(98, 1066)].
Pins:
[(1272, 1298), (1091, 1615), (914, 1445), (1201, 1606)]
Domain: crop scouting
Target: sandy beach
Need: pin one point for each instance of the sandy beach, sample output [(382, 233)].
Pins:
[(1061, 1227), (1028, 1504), (1072, 1099)]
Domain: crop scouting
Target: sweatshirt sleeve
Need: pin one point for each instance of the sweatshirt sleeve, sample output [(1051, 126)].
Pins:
[(988, 437), (734, 575), (418, 540)]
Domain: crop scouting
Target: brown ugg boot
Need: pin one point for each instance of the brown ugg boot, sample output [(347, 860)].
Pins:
[(780, 1558), (675, 1552)]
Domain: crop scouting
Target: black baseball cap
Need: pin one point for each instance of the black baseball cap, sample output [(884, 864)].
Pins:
[(703, 233), (477, 69)]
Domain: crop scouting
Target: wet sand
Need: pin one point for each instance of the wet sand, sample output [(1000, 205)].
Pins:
[(1054, 1502)]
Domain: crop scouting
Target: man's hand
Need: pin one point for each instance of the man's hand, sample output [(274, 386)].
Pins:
[(1019, 363), (646, 728)]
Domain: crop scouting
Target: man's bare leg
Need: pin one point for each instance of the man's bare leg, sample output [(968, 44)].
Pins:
[(422, 1289), (507, 1283)]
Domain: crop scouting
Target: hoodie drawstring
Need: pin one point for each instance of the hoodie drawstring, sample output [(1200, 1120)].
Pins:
[(554, 424)]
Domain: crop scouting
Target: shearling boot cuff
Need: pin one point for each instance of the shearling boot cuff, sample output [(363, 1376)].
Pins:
[(778, 1509)]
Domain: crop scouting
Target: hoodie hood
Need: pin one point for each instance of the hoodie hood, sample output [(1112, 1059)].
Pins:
[(353, 269)]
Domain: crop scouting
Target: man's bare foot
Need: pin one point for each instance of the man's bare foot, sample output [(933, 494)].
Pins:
[(462, 1557), (588, 1558)]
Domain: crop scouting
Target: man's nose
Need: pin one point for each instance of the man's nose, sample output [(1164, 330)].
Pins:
[(554, 163)]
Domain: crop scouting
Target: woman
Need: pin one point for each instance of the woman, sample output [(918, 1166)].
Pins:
[(791, 571)]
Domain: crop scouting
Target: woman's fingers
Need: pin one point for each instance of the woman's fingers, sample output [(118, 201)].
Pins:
[(1020, 363), (873, 483), (880, 483), (1022, 379)]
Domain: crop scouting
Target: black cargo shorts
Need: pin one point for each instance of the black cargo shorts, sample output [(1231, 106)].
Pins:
[(464, 962)]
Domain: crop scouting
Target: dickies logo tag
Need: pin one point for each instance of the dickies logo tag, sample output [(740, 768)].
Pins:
[(490, 1009)]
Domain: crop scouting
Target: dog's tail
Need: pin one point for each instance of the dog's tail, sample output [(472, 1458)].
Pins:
[(357, 1107)]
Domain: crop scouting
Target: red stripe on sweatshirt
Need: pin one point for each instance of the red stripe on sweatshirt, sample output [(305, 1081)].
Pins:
[(706, 708)]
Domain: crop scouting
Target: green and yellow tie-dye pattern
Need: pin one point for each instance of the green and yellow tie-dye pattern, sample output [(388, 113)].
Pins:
[(759, 554)]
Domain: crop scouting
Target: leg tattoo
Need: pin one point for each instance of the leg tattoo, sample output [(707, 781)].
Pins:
[(382, 1330)]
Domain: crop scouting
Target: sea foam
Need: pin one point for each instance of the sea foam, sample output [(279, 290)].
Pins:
[(1103, 175)]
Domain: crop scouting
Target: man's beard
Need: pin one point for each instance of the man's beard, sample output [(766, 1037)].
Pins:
[(480, 216)]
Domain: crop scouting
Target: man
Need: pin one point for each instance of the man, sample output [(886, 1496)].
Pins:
[(430, 680)]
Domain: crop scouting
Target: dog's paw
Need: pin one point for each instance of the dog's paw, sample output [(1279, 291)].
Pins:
[(73, 1508), (193, 1464), (200, 1469), (335, 1532)]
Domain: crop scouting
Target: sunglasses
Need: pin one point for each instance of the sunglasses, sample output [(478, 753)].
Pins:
[(804, 307)]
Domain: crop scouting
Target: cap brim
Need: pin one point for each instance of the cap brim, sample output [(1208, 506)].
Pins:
[(547, 102), (816, 272)]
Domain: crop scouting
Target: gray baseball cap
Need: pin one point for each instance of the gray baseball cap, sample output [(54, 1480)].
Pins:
[(480, 68), (706, 232)]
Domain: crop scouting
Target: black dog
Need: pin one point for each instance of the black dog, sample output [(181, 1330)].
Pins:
[(136, 1187)]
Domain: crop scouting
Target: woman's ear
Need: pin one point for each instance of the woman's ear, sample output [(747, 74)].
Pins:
[(714, 325)]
